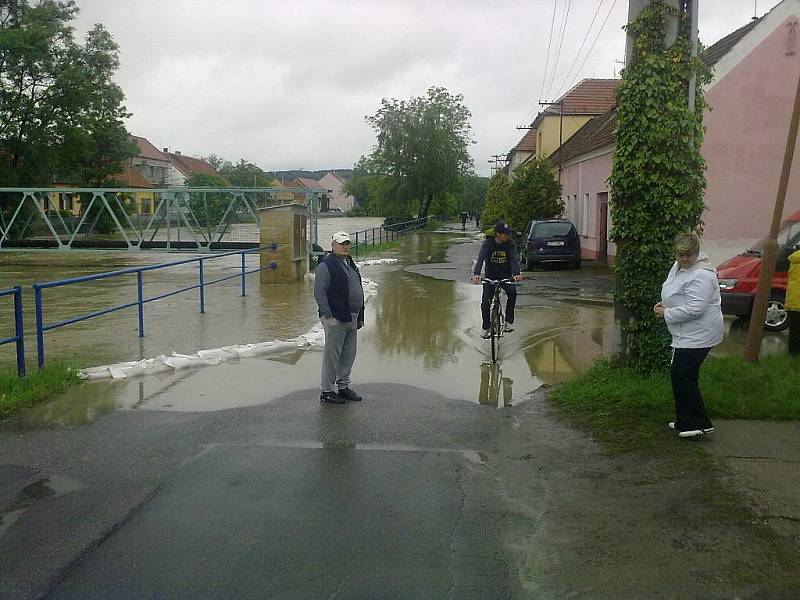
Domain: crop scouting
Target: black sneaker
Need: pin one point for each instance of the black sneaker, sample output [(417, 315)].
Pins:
[(331, 398), (349, 394)]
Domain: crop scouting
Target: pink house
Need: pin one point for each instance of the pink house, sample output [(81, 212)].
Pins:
[(756, 69)]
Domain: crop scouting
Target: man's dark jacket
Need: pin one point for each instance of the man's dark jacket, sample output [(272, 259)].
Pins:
[(339, 292)]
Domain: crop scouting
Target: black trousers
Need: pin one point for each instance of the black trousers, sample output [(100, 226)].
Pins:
[(690, 412), (794, 331), (486, 302)]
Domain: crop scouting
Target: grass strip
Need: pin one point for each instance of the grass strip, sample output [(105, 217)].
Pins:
[(19, 393), (626, 409)]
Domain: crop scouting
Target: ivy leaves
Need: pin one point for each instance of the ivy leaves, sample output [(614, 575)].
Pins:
[(657, 179)]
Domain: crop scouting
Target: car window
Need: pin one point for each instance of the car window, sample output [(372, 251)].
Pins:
[(551, 229), (789, 231)]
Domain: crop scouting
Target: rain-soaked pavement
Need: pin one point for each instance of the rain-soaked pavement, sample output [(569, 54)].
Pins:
[(233, 481)]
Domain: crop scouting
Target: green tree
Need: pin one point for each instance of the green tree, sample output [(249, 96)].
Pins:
[(472, 196), (498, 197), (208, 207), (535, 194), (61, 114), (657, 178), (369, 190), (244, 174), (532, 192), (421, 148)]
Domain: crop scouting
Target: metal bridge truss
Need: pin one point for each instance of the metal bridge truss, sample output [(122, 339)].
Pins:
[(199, 217)]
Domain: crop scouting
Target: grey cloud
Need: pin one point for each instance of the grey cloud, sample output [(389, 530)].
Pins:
[(287, 84)]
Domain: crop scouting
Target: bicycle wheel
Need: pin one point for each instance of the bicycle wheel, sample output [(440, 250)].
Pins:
[(496, 330)]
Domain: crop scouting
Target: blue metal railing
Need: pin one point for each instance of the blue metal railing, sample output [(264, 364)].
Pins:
[(140, 301), (19, 337), (385, 233)]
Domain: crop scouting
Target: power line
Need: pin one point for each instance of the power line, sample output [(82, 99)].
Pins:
[(583, 43), (560, 43), (547, 62), (599, 31)]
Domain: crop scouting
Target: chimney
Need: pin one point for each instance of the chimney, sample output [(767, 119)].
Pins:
[(166, 150), (177, 152)]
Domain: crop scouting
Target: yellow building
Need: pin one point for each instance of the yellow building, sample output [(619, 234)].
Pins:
[(564, 117)]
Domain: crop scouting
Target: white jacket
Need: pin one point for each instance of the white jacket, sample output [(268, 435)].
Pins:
[(692, 301)]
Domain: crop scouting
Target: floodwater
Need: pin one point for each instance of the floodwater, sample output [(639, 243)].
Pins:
[(279, 311), (419, 331)]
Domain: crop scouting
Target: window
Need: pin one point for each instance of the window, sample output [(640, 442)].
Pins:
[(145, 206)]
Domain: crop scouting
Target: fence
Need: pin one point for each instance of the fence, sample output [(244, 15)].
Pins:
[(385, 233), (18, 330), (140, 301), (359, 240)]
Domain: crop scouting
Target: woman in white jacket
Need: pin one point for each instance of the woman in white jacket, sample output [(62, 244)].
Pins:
[(690, 306)]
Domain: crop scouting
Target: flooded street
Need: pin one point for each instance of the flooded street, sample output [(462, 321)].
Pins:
[(275, 312), (421, 328)]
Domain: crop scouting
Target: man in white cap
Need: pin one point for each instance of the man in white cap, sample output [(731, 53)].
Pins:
[(340, 298)]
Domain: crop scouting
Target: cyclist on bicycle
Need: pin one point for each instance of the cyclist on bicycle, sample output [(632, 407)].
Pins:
[(499, 252)]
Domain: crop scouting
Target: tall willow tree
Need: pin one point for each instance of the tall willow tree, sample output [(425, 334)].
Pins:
[(422, 147), (657, 178)]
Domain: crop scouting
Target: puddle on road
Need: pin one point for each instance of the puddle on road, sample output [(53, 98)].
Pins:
[(46, 487)]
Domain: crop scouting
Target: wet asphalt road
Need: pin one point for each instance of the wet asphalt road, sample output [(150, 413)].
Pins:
[(412, 493)]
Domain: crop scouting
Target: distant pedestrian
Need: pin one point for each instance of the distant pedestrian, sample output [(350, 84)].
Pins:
[(340, 298), (792, 303), (464, 217), (477, 220), (690, 306)]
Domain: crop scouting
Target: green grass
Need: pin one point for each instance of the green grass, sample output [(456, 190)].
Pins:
[(20, 393), (626, 409), (372, 251)]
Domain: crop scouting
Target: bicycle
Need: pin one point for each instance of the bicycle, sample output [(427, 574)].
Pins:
[(496, 314)]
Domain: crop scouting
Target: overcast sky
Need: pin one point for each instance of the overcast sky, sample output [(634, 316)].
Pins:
[(287, 84)]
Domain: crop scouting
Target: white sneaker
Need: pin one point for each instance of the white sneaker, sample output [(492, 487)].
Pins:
[(691, 433), (671, 424), (508, 328), (486, 334)]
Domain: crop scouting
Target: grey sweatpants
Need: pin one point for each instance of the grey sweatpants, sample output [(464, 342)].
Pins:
[(339, 354)]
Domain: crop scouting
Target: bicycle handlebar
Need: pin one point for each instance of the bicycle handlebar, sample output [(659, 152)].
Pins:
[(496, 281)]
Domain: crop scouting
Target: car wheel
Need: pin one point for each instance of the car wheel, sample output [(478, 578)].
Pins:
[(529, 264), (577, 263), (776, 318)]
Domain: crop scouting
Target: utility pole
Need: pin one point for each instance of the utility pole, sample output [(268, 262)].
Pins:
[(752, 347), (497, 159), (560, 129), (694, 7), (635, 7)]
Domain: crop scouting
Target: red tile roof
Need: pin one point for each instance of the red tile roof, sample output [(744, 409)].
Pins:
[(307, 183), (147, 150), (192, 166), (527, 143), (588, 97)]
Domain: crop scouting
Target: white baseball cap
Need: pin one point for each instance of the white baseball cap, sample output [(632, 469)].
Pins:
[(340, 237)]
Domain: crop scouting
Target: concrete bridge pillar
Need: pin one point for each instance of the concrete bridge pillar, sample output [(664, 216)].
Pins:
[(286, 227)]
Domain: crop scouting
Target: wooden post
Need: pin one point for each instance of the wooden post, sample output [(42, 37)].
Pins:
[(752, 347)]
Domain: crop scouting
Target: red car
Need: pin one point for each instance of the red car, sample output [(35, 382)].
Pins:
[(738, 277)]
